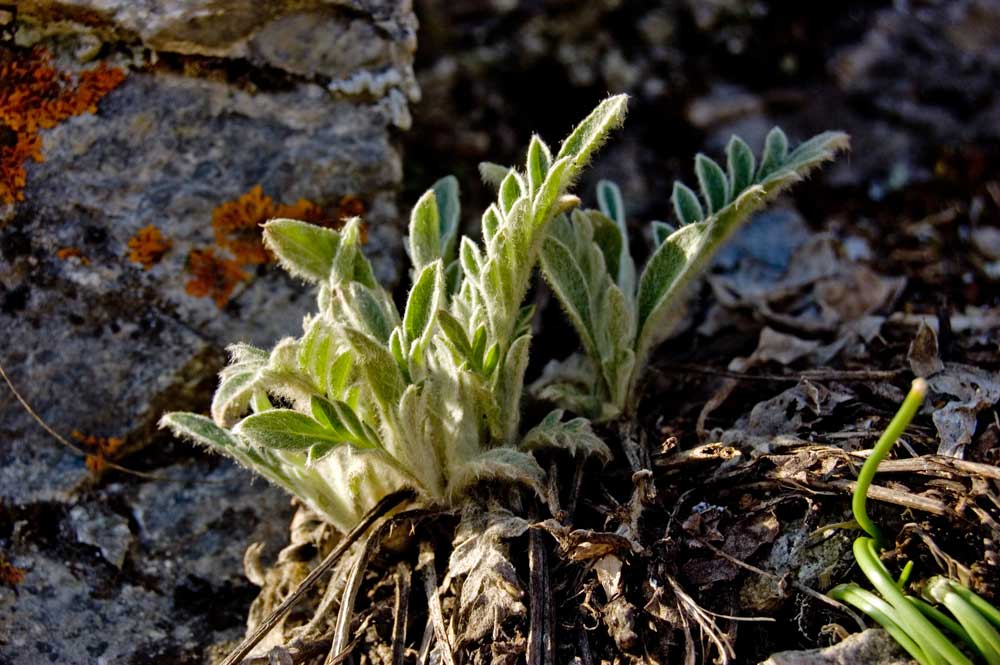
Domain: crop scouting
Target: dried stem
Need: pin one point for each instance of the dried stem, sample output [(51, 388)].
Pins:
[(381, 508)]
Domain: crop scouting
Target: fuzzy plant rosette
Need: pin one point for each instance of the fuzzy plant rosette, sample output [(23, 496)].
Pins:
[(376, 419)]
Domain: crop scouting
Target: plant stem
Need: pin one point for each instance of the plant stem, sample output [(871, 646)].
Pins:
[(931, 640), (879, 452), (882, 612)]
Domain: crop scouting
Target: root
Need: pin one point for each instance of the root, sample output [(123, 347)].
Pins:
[(436, 620), (400, 613), (341, 636), (381, 508)]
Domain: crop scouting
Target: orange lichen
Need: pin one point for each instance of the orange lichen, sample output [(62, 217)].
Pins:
[(36, 96), (237, 226), (350, 206), (213, 276), (65, 253), (10, 575), (304, 211), (148, 246), (100, 449)]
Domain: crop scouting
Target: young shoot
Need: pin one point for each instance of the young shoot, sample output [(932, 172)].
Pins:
[(370, 399), (915, 623), (621, 316)]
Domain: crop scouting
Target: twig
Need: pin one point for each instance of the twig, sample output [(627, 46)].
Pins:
[(426, 641), (577, 483), (427, 566), (704, 620), (381, 508), (400, 613), (76, 450), (540, 642), (341, 633)]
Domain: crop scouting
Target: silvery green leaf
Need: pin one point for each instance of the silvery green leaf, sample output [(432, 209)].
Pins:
[(233, 395), (203, 431), (491, 359), (591, 133), (304, 250), (324, 413), (664, 268), (775, 153), (511, 189), (687, 251), (284, 429), (378, 366), (608, 238), (686, 205), (399, 354), (539, 158), (338, 417), (425, 231), (455, 333), (555, 183), (713, 183), (491, 222), (511, 384), (478, 346), (498, 464), (471, 258), (344, 266), (368, 312), (449, 212), (661, 231), (570, 286), (338, 374), (611, 203), (740, 163), (575, 436), (259, 402), (492, 174), (609, 200), (423, 302)]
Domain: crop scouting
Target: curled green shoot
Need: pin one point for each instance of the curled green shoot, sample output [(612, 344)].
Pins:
[(915, 623), (885, 443)]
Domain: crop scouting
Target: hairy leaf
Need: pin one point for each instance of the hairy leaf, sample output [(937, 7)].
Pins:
[(593, 131), (285, 429), (378, 366), (575, 436), (425, 231), (686, 204), (539, 158), (713, 183), (305, 250)]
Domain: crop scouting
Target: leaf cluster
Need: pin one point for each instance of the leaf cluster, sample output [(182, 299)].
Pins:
[(620, 316), (370, 399)]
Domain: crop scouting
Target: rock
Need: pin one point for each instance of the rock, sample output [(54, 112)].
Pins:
[(130, 256), (97, 525), (873, 646), (335, 39), (181, 587)]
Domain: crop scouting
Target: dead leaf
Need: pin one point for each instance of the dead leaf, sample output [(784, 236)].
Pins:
[(973, 390), (923, 353)]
